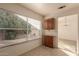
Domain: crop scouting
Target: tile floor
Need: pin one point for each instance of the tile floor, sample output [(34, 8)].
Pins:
[(45, 51)]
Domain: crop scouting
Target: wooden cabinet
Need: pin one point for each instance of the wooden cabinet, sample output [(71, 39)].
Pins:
[(49, 24), (48, 41)]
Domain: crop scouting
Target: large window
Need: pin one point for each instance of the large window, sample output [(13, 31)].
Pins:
[(16, 28), (35, 29)]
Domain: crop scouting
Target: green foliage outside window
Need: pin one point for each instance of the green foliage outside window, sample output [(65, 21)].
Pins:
[(10, 20)]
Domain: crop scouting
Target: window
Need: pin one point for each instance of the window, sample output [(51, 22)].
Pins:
[(35, 29), (15, 28)]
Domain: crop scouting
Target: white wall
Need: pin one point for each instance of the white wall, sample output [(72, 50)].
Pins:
[(21, 48), (68, 27), (68, 32)]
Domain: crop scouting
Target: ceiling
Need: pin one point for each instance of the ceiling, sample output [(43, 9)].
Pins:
[(49, 8)]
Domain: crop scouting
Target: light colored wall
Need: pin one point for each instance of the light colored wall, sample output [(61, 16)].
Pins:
[(21, 48), (69, 34), (68, 27)]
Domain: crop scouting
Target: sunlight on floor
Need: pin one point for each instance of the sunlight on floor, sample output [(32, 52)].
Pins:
[(69, 53)]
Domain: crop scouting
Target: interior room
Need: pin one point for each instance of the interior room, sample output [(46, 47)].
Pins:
[(39, 29)]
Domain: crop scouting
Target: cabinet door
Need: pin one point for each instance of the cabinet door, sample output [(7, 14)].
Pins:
[(49, 24), (48, 41)]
